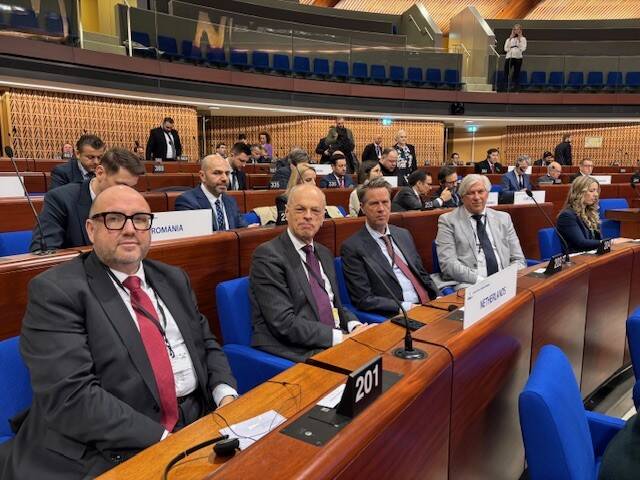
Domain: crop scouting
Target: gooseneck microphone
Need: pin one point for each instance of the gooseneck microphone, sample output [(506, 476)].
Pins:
[(565, 245), (408, 352), (43, 244)]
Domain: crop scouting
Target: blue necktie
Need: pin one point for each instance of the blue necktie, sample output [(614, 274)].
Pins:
[(219, 215), (485, 244)]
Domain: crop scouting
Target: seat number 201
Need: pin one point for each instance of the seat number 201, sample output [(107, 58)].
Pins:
[(367, 382)]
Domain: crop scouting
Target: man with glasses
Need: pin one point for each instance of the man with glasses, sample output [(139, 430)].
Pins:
[(447, 196), (66, 208), (586, 169), (473, 241), (118, 352)]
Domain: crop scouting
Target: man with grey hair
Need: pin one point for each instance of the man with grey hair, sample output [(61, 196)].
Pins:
[(518, 179), (280, 178), (474, 242), (293, 287), (554, 170)]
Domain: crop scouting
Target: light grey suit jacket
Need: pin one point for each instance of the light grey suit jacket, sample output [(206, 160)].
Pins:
[(457, 249)]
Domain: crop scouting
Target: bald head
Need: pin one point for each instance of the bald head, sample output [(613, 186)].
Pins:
[(305, 211), (213, 161), (214, 174), (306, 190)]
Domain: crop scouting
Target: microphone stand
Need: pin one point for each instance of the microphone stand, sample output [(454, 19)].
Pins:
[(565, 245)]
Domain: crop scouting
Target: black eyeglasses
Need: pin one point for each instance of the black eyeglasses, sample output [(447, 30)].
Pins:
[(117, 220)]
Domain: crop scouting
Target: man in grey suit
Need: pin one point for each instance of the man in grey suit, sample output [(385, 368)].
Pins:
[(388, 249), (118, 352), (474, 242), (293, 288)]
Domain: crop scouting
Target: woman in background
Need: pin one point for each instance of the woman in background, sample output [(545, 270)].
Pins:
[(302, 174), (579, 221), (367, 172), (265, 140), (514, 46)]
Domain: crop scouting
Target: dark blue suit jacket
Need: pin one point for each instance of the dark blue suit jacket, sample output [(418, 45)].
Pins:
[(63, 216), (66, 173), (510, 182), (575, 232), (331, 181), (195, 199)]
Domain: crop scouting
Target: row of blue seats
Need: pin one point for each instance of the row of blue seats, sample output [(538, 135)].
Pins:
[(262, 61), (575, 81), (24, 20)]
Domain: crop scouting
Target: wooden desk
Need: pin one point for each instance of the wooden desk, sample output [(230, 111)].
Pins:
[(286, 400), (629, 219)]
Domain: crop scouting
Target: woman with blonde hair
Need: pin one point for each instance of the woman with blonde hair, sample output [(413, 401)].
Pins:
[(302, 173), (579, 221)]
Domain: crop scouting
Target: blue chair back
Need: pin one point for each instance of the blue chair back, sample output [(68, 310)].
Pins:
[(251, 217), (53, 24), (614, 79), (24, 19), (496, 188), (190, 52), (633, 79), (216, 55), (556, 79), (15, 243), (523, 77), (321, 67), (15, 385), (595, 79), (633, 337), (301, 65), (342, 284), (378, 73), (549, 243), (239, 58), (260, 60), (396, 73), (575, 80), (281, 63), (234, 311), (167, 44), (340, 69), (434, 75), (611, 204), (414, 75), (141, 37), (557, 440), (360, 70), (538, 79)]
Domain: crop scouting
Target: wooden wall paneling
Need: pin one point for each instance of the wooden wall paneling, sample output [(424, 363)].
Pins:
[(585, 10)]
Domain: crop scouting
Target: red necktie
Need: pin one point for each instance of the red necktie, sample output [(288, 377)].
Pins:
[(404, 268), (156, 349), (341, 182)]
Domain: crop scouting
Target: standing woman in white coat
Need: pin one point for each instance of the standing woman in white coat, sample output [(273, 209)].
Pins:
[(514, 46)]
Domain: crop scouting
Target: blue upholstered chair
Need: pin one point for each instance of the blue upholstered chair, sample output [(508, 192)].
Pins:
[(556, 81), (452, 79), (496, 188), (191, 53), (24, 20), (364, 317), (281, 63), (434, 77), (614, 81), (340, 70), (360, 71), (15, 385), (549, 243), (595, 80), (251, 217), (321, 67), (301, 65), (239, 58), (610, 228), (217, 57), (54, 24), (538, 80), (414, 76), (396, 73), (15, 243), (378, 73), (575, 81), (144, 48), (633, 338), (169, 48), (561, 439), (250, 366), (260, 61), (632, 82)]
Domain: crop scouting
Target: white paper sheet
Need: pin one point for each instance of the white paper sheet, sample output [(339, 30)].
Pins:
[(331, 399), (252, 430)]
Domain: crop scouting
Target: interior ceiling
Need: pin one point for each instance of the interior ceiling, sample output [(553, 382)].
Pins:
[(585, 10)]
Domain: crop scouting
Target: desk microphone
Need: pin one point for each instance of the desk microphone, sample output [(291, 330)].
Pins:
[(565, 245), (450, 308), (43, 244), (408, 352)]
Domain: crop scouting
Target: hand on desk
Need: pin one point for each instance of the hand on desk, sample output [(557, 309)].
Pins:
[(253, 225), (359, 329), (226, 400)]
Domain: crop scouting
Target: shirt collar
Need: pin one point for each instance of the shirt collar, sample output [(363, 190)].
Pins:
[(91, 192), (416, 192), (469, 214), (297, 243), (83, 170), (375, 234), (208, 194), (121, 276)]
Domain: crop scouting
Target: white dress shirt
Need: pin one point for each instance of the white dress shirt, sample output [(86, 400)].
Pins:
[(515, 46), (168, 137), (299, 245), (212, 200), (184, 374), (409, 294), (482, 261), (83, 170)]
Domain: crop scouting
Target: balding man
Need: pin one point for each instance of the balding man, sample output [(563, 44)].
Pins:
[(293, 288), (211, 194), (554, 170), (118, 352), (474, 241)]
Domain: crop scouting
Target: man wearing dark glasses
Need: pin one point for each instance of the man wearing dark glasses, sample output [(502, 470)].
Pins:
[(118, 352), (66, 208)]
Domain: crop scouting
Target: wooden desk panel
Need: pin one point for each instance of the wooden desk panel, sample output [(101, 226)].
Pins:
[(150, 463), (260, 198), (188, 167), (155, 181), (16, 215), (42, 165), (23, 164), (338, 197), (238, 196), (527, 220), (156, 200), (169, 167), (345, 228), (424, 228), (491, 365), (208, 261), (258, 181), (34, 182)]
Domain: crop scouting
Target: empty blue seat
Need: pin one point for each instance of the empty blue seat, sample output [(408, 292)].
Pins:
[(360, 71), (281, 63), (632, 81), (610, 228), (538, 80), (523, 79), (191, 53), (378, 73), (321, 67), (15, 243), (556, 80), (496, 188), (24, 19), (169, 47), (414, 75), (251, 217), (549, 243), (53, 24), (561, 439), (396, 73), (595, 80), (575, 81), (364, 317), (301, 65), (239, 58), (498, 80), (340, 69), (250, 366), (143, 47), (614, 80), (141, 37), (434, 77), (15, 385), (216, 56), (452, 78), (260, 60)]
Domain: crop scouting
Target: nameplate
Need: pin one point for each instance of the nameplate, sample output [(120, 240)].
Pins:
[(10, 187), (274, 185), (483, 298), (604, 247), (528, 172), (521, 198), (555, 264), (363, 387), (493, 199), (181, 224), (158, 168), (393, 181), (321, 168), (603, 179)]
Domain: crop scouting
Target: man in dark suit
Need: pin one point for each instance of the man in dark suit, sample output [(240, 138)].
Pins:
[(416, 195), (240, 153), (164, 142), (66, 208), (280, 178), (389, 166), (211, 194), (547, 158), (621, 460), (339, 177), (554, 170), (586, 169), (517, 179), (447, 196), (373, 151), (293, 288), (89, 151), (491, 164), (118, 353), (388, 249), (562, 152)]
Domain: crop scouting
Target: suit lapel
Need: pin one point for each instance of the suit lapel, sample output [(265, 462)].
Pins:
[(82, 212), (117, 313), (468, 233), (293, 257), (229, 210), (203, 203), (372, 246), (498, 235)]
